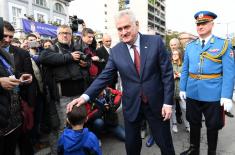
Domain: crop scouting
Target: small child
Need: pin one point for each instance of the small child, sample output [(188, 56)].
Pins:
[(75, 139)]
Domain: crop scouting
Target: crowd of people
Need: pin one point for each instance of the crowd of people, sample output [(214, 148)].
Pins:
[(48, 75), (65, 88)]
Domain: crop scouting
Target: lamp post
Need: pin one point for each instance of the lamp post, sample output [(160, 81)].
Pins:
[(227, 24)]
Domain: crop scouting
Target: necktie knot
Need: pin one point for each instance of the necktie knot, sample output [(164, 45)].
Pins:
[(133, 46), (203, 43)]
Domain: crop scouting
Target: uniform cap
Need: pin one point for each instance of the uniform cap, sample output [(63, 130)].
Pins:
[(204, 16)]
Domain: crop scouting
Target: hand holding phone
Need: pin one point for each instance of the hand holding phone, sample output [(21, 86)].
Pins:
[(26, 78), (25, 81)]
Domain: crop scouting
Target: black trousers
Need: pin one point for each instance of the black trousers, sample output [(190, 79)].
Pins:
[(214, 120), (212, 111), (160, 130), (8, 143)]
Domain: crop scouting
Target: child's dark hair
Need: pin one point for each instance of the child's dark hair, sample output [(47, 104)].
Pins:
[(77, 116)]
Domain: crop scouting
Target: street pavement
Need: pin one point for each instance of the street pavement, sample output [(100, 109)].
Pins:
[(226, 142)]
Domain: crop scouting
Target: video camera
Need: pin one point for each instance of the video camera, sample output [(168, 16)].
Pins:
[(1, 29), (74, 22)]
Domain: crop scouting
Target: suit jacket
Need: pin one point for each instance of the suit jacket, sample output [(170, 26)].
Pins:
[(10, 115), (102, 53), (23, 64), (155, 81)]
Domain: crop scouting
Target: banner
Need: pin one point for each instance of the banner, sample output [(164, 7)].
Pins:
[(43, 29)]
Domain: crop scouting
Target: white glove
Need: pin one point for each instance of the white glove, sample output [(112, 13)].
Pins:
[(227, 103), (182, 95)]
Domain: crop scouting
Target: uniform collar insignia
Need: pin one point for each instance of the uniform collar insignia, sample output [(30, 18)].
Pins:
[(212, 40)]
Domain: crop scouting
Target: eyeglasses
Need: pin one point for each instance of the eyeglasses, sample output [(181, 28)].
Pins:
[(10, 36), (64, 33)]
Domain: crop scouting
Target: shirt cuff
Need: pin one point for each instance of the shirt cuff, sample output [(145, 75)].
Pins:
[(86, 97), (167, 105)]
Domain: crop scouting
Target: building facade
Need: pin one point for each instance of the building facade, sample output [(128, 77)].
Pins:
[(149, 13), (46, 11)]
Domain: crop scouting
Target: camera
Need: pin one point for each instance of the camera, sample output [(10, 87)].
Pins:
[(84, 57), (110, 100), (1, 29), (74, 22), (102, 60)]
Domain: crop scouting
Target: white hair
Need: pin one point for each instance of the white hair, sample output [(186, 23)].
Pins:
[(124, 13), (175, 40)]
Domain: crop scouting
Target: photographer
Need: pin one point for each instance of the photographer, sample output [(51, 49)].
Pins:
[(64, 72), (34, 49), (106, 119), (87, 45)]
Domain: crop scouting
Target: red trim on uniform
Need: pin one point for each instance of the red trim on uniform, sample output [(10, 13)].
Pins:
[(205, 17)]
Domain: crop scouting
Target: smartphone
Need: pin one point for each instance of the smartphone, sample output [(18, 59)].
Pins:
[(33, 44), (24, 81)]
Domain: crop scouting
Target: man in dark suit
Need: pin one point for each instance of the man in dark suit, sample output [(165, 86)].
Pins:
[(103, 51), (103, 54), (22, 61), (22, 64), (147, 82)]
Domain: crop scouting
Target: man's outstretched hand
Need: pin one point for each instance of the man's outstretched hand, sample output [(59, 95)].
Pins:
[(78, 101)]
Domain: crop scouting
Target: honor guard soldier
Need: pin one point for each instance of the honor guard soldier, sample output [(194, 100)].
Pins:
[(206, 83)]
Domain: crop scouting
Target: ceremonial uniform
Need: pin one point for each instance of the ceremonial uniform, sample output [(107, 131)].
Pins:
[(206, 80), (216, 62)]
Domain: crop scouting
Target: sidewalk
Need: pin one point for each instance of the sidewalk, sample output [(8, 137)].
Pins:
[(226, 143)]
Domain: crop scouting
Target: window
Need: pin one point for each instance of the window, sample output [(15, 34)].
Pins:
[(123, 4), (41, 2), (16, 13), (105, 5), (40, 18), (59, 8), (59, 21), (105, 12)]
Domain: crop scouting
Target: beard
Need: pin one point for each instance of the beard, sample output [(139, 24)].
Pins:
[(65, 42)]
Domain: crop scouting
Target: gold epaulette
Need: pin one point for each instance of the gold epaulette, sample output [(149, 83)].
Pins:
[(215, 58)]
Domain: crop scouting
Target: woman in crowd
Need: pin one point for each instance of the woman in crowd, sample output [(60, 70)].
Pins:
[(177, 67)]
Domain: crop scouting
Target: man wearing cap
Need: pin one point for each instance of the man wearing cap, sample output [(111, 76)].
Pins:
[(206, 83)]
